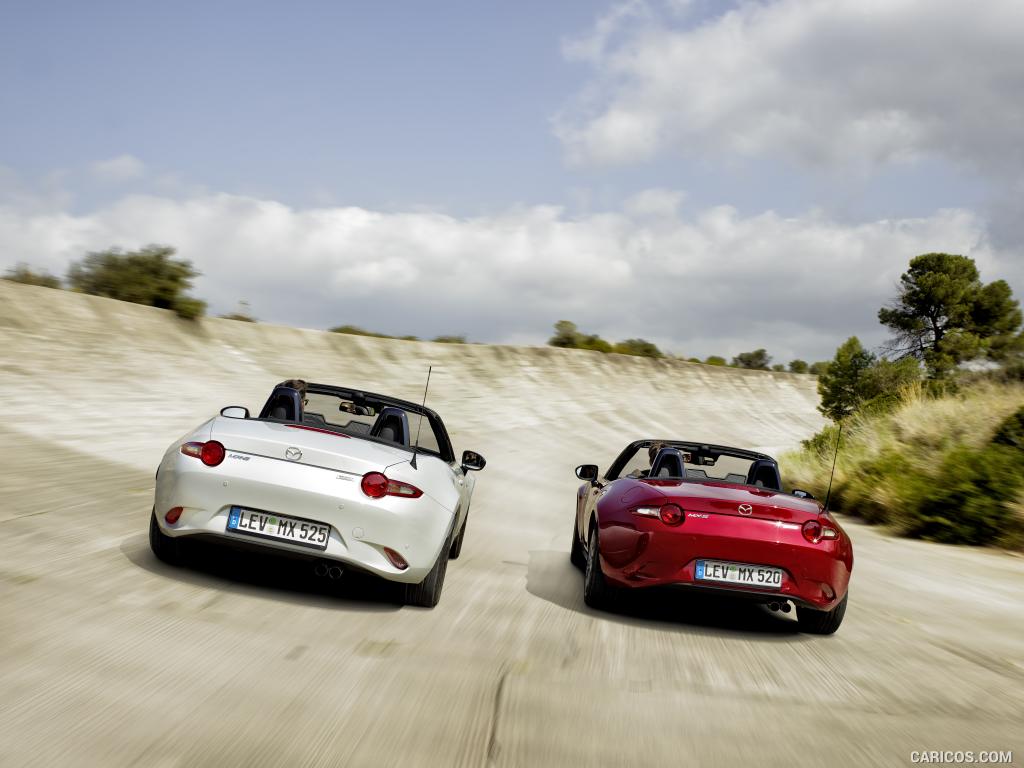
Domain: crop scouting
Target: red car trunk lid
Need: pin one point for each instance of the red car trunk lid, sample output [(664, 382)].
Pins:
[(742, 501)]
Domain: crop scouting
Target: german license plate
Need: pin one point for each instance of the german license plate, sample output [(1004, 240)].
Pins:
[(763, 576), (269, 525)]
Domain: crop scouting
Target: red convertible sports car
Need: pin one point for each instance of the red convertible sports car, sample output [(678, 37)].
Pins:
[(709, 518)]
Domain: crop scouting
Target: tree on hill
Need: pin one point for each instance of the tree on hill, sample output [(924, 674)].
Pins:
[(816, 369), (714, 360), (150, 276), (798, 366), (842, 385), (24, 274), (639, 347), (945, 315), (758, 360), (568, 336)]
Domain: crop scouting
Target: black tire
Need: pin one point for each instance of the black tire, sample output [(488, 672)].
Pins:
[(166, 549), (456, 550), (576, 556), (597, 592), (822, 622), (427, 593)]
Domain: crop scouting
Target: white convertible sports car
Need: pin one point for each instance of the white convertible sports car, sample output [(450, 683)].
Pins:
[(347, 479)]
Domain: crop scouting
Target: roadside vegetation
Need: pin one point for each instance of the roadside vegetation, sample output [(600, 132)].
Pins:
[(243, 313), (355, 330), (568, 336), (930, 446), (24, 274), (150, 276)]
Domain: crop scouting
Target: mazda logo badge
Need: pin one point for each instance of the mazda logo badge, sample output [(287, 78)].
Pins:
[(292, 454), (746, 509)]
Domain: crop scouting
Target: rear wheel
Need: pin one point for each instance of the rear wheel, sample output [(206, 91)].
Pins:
[(597, 592), (164, 547), (428, 592), (821, 622), (576, 555)]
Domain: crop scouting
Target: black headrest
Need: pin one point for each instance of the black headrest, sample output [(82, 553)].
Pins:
[(284, 404), (391, 424), (764, 474), (668, 463)]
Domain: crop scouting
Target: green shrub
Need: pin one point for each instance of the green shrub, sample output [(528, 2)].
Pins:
[(714, 360), (24, 274), (148, 276), (883, 488), (638, 347), (450, 339), (1011, 432), (758, 360), (355, 330), (971, 500), (188, 308)]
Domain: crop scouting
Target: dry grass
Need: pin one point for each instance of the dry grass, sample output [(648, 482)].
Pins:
[(888, 460)]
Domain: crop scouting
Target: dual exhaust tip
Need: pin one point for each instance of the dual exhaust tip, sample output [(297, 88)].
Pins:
[(785, 607), (332, 572)]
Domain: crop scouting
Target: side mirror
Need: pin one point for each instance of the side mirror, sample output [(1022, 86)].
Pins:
[(587, 472), (472, 461), (235, 412), (802, 494)]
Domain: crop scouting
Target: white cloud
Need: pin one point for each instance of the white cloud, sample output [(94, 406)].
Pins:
[(118, 170), (832, 83), (654, 203), (708, 282)]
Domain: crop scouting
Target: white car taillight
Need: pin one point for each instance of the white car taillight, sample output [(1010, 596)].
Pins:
[(211, 453), (376, 485)]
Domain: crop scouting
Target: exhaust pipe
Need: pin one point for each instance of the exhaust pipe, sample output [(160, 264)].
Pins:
[(334, 572), (774, 606), (320, 569), (786, 607)]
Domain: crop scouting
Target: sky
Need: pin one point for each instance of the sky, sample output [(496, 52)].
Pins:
[(713, 176)]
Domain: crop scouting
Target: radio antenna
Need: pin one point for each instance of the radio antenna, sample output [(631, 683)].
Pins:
[(835, 458), (419, 424)]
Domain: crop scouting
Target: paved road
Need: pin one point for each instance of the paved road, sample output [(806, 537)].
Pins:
[(111, 658)]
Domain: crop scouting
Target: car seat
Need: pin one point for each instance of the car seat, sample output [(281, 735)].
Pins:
[(668, 463), (764, 474), (392, 424), (284, 404)]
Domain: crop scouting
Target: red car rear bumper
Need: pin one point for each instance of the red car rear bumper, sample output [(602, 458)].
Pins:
[(645, 552)]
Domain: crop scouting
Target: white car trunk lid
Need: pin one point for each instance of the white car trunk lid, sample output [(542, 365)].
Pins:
[(306, 445)]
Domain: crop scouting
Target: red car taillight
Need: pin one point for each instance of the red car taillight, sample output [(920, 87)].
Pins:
[(376, 485), (211, 453), (669, 514), (815, 532)]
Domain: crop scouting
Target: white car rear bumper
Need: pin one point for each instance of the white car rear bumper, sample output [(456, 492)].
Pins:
[(360, 526)]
